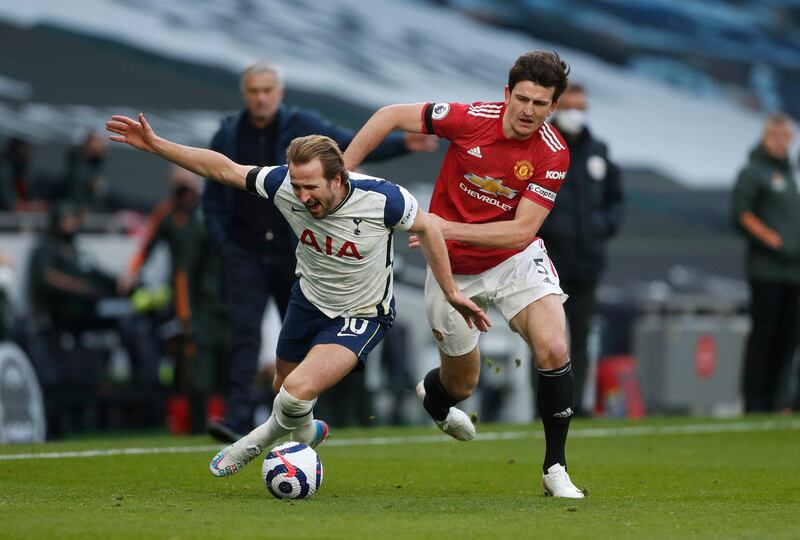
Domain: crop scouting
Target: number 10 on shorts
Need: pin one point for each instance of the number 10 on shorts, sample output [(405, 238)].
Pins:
[(353, 327)]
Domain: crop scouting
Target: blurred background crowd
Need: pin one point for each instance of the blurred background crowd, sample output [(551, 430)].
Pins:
[(115, 303)]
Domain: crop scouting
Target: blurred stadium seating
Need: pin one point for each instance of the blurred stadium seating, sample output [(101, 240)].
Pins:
[(745, 50)]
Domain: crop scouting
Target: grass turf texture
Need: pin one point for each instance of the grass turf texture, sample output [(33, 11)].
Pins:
[(646, 480)]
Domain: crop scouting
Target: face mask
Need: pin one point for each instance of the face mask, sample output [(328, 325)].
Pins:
[(571, 121)]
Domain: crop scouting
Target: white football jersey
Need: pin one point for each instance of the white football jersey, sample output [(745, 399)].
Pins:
[(344, 260)]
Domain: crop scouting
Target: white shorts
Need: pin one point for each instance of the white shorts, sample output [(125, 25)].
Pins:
[(510, 286)]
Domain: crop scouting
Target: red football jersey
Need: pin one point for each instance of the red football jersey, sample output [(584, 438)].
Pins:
[(484, 174)]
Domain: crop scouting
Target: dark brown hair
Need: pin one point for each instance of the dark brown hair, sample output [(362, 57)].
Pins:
[(303, 150), (540, 67)]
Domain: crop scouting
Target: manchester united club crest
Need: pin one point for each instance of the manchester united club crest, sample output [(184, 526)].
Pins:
[(523, 169)]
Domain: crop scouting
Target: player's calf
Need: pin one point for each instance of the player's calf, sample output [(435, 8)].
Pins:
[(435, 398), (454, 422), (554, 397)]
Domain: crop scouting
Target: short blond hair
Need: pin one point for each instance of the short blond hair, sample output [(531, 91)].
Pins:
[(303, 150)]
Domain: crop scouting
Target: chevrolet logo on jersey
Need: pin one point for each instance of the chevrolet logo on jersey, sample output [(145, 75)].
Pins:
[(490, 185)]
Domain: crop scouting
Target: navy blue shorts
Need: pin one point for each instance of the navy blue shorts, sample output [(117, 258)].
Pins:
[(305, 326)]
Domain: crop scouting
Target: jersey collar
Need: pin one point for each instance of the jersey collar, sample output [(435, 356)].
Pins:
[(499, 131), (346, 197)]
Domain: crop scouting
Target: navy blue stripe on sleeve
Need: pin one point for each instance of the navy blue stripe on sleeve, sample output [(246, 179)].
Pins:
[(395, 202), (274, 179), (395, 205), (265, 181)]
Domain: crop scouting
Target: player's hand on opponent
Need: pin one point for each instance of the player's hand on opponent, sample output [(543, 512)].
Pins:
[(413, 240), (474, 315), (137, 134)]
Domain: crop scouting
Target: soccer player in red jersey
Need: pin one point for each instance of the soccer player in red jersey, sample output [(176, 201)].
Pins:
[(496, 186)]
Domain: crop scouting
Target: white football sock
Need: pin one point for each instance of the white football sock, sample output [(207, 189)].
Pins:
[(288, 414), (305, 433)]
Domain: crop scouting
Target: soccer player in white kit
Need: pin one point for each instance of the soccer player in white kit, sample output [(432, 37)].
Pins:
[(342, 303)]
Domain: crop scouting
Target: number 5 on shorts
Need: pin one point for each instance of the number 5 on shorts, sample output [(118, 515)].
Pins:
[(540, 267)]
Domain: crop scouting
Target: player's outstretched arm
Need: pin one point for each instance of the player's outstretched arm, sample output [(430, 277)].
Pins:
[(200, 161), (435, 251), (405, 117), (513, 234)]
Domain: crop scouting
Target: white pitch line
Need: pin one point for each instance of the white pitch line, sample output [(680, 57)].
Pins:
[(632, 431), (111, 452)]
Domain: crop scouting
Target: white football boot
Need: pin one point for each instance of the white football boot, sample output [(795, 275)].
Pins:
[(234, 458), (457, 424), (556, 483)]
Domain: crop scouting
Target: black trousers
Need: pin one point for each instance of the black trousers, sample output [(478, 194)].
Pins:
[(250, 280), (772, 341), (580, 307)]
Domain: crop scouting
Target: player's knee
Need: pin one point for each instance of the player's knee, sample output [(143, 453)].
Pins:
[(551, 354), (299, 386)]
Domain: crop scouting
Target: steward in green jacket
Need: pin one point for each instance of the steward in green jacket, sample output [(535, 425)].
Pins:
[(767, 190), (766, 207)]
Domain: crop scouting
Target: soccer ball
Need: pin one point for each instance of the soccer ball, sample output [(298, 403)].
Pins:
[(292, 470)]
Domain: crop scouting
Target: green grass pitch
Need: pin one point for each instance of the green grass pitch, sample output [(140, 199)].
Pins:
[(659, 478)]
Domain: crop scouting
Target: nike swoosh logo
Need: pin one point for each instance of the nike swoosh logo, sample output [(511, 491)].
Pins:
[(291, 472), (346, 335), (298, 209)]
